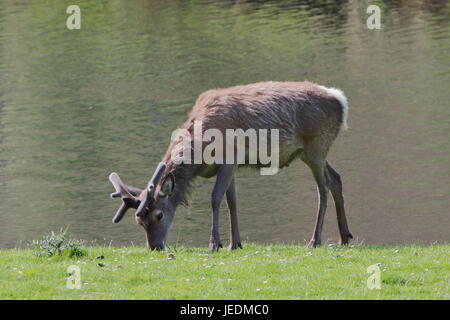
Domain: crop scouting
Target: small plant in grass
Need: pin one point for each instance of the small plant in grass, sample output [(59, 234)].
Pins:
[(59, 244)]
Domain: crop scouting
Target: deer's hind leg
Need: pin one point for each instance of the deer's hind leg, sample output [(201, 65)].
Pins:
[(336, 191), (314, 156)]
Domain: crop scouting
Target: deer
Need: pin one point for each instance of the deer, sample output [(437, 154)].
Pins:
[(308, 118)]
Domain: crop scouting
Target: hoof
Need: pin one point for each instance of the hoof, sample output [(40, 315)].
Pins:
[(214, 246), (346, 239), (313, 243), (234, 246)]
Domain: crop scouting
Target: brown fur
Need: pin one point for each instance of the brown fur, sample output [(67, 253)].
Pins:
[(308, 117), (302, 111)]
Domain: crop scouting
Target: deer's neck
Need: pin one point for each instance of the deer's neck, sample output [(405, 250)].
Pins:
[(184, 175)]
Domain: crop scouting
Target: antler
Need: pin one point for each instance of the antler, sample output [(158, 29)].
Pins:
[(127, 193), (150, 195)]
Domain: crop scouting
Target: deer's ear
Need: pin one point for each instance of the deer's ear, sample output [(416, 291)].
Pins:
[(167, 186)]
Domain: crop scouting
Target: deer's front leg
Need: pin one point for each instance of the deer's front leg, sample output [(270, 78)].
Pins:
[(224, 176), (232, 207)]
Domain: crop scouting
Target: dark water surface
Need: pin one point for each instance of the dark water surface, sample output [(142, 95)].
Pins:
[(76, 105)]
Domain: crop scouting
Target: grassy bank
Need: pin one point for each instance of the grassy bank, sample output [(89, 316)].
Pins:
[(255, 272)]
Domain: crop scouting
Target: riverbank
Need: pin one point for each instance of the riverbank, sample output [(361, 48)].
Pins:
[(255, 272)]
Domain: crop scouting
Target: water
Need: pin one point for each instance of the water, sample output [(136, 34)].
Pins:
[(76, 105)]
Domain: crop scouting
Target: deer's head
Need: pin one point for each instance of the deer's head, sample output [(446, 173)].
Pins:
[(154, 210)]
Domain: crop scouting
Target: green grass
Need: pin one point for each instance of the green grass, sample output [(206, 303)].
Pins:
[(255, 272)]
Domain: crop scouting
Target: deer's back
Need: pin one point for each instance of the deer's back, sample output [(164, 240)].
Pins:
[(295, 108), (301, 111)]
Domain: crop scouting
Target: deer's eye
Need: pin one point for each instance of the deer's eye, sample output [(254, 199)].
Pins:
[(159, 215)]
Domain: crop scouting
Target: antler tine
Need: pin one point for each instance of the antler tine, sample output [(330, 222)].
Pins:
[(157, 175), (115, 195), (122, 191), (121, 212), (151, 188)]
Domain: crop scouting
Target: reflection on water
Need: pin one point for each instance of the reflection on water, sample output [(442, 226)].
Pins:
[(78, 104)]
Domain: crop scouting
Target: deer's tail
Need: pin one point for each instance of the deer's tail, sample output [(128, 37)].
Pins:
[(340, 96)]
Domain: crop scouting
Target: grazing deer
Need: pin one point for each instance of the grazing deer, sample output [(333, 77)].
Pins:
[(308, 117)]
